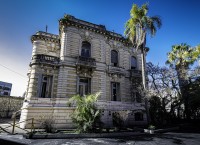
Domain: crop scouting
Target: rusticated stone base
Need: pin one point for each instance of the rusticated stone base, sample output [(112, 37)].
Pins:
[(59, 111)]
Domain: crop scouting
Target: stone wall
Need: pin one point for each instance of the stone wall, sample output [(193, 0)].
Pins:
[(71, 41), (67, 71), (60, 112), (9, 104)]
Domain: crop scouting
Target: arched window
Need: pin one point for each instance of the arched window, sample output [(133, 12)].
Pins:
[(133, 62), (114, 58), (86, 49)]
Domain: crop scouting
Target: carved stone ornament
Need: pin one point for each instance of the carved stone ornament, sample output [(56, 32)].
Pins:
[(114, 76), (86, 36), (114, 44), (84, 71)]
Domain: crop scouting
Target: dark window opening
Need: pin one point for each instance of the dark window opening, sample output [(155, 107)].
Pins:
[(133, 62), (114, 58), (5, 93), (138, 97), (133, 97), (84, 86), (86, 49), (115, 89), (46, 86), (139, 116), (7, 88)]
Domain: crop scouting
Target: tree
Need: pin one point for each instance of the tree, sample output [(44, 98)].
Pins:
[(165, 105), (86, 115), (194, 102), (181, 57), (136, 29)]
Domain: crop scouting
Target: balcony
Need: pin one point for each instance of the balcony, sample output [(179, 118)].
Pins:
[(45, 59), (135, 73), (86, 62), (115, 70)]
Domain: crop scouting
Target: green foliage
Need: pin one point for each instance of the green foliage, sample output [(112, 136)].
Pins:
[(182, 56), (86, 115), (156, 111), (117, 120), (193, 89), (196, 52), (140, 24), (152, 127)]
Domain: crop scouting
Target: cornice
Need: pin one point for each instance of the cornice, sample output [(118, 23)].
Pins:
[(100, 29), (45, 36)]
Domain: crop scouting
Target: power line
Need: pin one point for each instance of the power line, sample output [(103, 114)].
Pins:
[(13, 71)]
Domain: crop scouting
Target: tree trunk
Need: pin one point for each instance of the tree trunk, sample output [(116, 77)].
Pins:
[(144, 83), (183, 83)]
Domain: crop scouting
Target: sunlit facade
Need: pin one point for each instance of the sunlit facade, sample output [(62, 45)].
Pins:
[(84, 58)]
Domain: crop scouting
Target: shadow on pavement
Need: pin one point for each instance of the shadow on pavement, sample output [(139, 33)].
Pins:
[(8, 142)]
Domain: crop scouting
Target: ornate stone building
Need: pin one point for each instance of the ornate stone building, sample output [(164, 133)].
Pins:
[(84, 58)]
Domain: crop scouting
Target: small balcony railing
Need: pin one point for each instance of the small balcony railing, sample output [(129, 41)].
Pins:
[(86, 62), (115, 70), (41, 58), (135, 73)]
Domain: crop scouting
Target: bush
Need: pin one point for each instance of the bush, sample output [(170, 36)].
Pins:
[(46, 122), (152, 127), (86, 115), (117, 120)]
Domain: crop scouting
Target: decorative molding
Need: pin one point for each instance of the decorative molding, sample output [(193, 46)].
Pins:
[(100, 29), (84, 71), (46, 37)]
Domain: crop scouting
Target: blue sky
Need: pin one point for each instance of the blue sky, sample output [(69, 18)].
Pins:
[(19, 19)]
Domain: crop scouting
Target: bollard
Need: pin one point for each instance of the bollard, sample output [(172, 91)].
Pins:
[(14, 119)]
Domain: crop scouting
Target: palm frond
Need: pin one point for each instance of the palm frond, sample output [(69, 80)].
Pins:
[(140, 24)]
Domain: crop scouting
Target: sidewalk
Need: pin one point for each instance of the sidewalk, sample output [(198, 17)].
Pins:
[(162, 139), (6, 123)]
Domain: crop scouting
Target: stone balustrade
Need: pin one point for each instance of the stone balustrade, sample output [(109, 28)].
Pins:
[(46, 59), (87, 62), (135, 73), (115, 70)]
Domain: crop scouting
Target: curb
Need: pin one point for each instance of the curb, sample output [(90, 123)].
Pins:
[(83, 135)]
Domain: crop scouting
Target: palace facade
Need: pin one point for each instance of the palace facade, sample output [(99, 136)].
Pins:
[(84, 58)]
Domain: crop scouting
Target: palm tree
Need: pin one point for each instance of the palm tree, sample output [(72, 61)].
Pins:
[(136, 29), (181, 57)]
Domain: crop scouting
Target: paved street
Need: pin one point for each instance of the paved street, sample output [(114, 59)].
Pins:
[(163, 139)]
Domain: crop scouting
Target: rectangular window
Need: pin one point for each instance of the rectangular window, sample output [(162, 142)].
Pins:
[(46, 86), (115, 89), (84, 86)]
